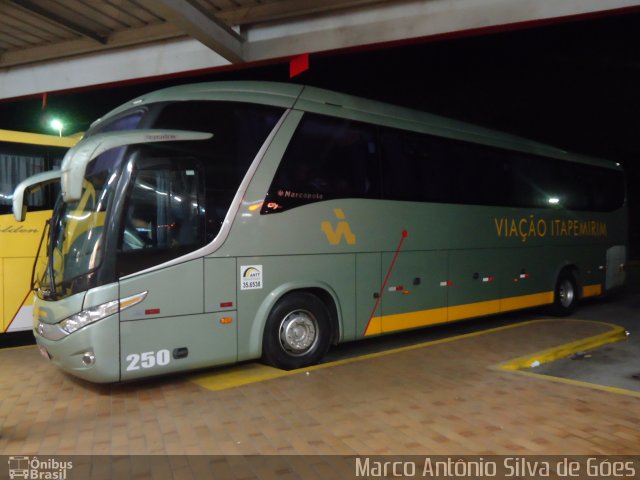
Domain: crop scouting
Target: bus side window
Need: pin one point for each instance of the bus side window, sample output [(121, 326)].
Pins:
[(163, 214), (580, 187), (481, 175), (18, 162), (412, 167), (328, 158), (238, 129)]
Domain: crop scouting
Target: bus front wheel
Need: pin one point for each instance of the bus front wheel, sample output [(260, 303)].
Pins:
[(297, 332), (565, 297)]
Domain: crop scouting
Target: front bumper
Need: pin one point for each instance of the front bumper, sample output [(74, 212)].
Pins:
[(91, 353)]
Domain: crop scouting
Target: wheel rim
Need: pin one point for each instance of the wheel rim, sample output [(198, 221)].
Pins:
[(298, 332), (566, 293)]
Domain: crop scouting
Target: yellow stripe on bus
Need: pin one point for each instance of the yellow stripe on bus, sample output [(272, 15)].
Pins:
[(459, 312), (526, 301), (433, 316), (591, 290), (374, 327), (403, 321), (423, 318)]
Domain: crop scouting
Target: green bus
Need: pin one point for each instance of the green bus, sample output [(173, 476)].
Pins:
[(220, 222)]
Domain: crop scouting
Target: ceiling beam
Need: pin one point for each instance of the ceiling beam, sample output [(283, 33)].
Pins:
[(182, 54), (207, 29), (33, 7), (287, 9), (165, 49), (80, 46)]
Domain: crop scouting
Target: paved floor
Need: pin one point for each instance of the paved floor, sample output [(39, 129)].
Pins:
[(446, 397)]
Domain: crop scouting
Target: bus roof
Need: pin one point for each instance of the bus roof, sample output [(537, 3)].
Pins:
[(336, 104)]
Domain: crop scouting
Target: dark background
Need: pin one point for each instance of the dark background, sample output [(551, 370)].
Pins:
[(575, 85)]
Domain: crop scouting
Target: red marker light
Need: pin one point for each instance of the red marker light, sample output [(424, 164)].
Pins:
[(298, 64)]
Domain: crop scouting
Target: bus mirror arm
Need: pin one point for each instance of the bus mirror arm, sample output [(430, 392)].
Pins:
[(28, 185), (19, 208)]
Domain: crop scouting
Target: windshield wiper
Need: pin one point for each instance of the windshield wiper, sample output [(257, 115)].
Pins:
[(35, 262), (51, 293)]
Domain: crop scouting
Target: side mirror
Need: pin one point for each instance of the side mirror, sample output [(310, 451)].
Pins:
[(32, 183)]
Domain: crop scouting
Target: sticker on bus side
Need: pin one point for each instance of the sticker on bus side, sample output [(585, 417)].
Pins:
[(250, 277)]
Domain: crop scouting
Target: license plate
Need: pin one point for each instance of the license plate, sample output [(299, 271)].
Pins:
[(44, 352)]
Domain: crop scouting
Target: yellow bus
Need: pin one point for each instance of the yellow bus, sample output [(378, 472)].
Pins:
[(22, 155)]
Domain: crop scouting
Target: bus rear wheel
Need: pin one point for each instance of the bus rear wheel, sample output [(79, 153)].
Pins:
[(565, 297), (297, 332)]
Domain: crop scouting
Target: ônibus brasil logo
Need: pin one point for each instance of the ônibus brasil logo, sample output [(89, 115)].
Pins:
[(37, 469)]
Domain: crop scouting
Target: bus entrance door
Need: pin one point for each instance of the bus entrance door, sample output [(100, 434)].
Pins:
[(169, 331)]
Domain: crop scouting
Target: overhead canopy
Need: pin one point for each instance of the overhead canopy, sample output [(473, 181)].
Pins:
[(49, 46)]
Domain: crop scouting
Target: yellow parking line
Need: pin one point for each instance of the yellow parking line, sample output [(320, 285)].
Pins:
[(616, 334), (237, 375), (247, 373)]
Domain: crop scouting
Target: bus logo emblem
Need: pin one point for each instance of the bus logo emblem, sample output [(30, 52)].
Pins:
[(334, 236)]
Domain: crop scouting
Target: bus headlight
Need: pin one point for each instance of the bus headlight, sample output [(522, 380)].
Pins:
[(93, 314), (90, 315)]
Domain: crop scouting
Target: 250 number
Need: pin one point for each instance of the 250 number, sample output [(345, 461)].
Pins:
[(136, 361)]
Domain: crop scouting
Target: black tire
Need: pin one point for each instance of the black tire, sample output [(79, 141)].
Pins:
[(297, 333), (565, 296)]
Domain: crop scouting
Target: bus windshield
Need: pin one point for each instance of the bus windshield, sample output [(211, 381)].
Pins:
[(78, 228)]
